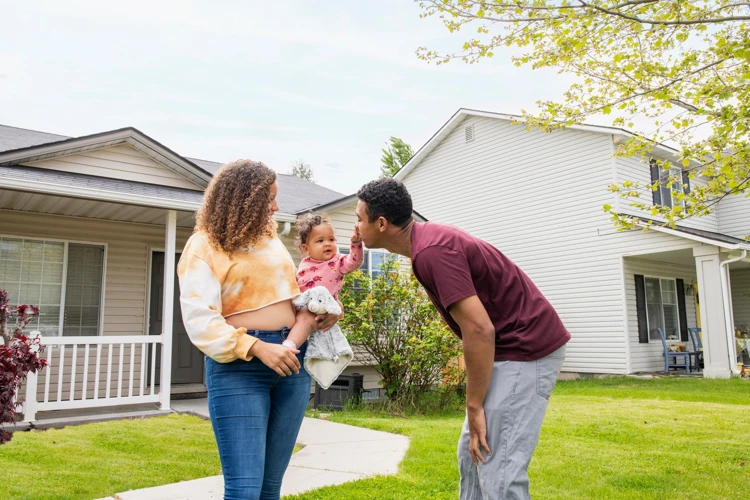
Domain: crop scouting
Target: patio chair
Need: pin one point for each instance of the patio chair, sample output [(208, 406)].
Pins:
[(685, 356), (697, 352)]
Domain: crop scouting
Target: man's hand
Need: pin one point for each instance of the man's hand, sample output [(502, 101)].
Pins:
[(478, 334), (477, 435)]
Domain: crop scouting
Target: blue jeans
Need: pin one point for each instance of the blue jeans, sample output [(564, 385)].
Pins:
[(256, 416)]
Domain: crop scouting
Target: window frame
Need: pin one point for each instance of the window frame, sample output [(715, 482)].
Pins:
[(661, 297), (676, 187), (663, 178), (66, 243)]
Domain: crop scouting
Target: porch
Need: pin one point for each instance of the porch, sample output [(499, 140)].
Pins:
[(93, 260), (703, 283)]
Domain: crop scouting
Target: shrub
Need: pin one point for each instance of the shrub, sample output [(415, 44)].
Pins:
[(392, 319), (19, 355)]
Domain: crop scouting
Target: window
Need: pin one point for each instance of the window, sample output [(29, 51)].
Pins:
[(667, 195), (662, 309), (373, 262), (63, 279)]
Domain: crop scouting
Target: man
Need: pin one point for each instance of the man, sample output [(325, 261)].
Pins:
[(513, 339)]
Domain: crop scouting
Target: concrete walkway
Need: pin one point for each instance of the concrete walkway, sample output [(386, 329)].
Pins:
[(333, 454)]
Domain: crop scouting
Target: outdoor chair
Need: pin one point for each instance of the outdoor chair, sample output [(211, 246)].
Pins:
[(697, 352), (685, 356)]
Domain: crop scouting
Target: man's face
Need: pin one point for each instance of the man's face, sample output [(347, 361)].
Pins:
[(369, 230)]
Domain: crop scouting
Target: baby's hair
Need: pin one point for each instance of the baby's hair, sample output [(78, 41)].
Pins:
[(305, 225)]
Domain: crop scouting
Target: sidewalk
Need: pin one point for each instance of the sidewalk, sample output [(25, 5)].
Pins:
[(333, 454)]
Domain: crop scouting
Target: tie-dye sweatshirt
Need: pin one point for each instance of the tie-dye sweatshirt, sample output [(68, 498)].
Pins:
[(214, 286), (329, 273)]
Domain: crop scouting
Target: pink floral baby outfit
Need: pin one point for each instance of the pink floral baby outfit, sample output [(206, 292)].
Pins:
[(329, 273)]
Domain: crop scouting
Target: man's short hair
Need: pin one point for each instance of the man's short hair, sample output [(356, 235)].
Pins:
[(387, 198)]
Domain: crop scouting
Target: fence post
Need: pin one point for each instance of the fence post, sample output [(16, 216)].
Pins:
[(29, 404)]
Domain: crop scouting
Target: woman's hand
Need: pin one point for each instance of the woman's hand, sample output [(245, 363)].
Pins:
[(277, 357)]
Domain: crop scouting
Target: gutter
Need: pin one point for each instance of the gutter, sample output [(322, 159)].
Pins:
[(731, 344)]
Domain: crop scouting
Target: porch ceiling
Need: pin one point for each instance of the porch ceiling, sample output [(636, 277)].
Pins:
[(684, 258), (90, 209)]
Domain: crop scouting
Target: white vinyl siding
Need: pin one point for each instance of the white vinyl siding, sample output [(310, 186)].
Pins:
[(648, 357), (734, 215), (538, 198), (117, 162)]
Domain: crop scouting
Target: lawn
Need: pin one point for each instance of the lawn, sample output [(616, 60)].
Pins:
[(101, 459), (618, 438)]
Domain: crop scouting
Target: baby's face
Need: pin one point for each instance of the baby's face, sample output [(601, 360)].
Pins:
[(321, 243)]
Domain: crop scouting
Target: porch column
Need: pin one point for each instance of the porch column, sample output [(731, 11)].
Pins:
[(165, 377), (713, 322)]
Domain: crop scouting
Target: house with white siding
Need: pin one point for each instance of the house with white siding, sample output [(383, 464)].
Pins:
[(538, 197), (87, 227)]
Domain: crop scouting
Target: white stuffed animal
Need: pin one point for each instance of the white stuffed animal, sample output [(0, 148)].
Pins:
[(328, 353)]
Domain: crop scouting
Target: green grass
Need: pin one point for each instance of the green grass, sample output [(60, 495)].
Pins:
[(98, 460), (617, 438)]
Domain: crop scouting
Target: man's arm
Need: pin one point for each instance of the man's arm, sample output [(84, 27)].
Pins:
[(478, 335)]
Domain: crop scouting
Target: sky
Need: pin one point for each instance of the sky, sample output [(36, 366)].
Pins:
[(325, 82)]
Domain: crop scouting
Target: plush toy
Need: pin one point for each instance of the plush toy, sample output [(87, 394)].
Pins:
[(328, 353)]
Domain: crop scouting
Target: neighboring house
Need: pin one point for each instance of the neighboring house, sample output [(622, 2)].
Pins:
[(538, 197), (86, 225)]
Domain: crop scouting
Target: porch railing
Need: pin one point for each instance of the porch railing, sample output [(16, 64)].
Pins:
[(88, 372)]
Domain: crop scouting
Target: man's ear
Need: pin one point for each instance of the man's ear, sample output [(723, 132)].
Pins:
[(382, 224)]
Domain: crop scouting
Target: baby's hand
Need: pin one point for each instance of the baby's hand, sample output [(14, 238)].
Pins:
[(290, 345), (356, 236)]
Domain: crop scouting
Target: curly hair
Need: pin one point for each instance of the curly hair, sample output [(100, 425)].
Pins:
[(234, 212), (305, 225), (387, 198)]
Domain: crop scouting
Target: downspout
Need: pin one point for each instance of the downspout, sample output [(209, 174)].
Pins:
[(287, 228), (731, 344)]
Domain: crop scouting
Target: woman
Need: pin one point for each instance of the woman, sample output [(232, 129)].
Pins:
[(237, 281)]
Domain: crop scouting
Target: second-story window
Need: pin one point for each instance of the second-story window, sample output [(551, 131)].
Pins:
[(667, 195)]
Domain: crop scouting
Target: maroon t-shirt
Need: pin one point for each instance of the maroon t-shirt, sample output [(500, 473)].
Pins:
[(453, 265)]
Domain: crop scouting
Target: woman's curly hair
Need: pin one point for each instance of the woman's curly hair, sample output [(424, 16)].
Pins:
[(235, 205), (304, 226)]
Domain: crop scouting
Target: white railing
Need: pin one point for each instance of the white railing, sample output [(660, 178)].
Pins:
[(89, 372)]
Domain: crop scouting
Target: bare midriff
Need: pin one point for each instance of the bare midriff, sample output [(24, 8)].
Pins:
[(271, 317)]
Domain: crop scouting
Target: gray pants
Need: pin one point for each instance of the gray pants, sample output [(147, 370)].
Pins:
[(514, 406)]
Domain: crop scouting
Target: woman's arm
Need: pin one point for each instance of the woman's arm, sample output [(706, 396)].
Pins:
[(200, 298)]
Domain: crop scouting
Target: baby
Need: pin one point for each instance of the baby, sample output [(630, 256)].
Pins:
[(324, 265)]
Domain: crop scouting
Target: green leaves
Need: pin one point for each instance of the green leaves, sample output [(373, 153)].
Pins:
[(681, 70)]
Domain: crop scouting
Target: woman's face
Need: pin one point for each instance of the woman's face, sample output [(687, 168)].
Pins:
[(273, 206)]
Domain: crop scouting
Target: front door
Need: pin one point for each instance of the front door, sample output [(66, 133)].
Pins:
[(187, 360)]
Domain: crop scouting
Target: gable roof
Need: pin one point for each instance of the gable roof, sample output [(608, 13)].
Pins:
[(18, 146), (128, 135), (459, 116)]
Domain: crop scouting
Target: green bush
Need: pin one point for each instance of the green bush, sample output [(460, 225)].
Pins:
[(392, 318)]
